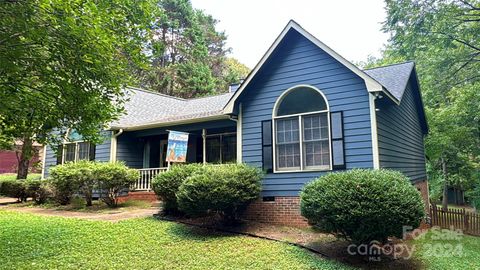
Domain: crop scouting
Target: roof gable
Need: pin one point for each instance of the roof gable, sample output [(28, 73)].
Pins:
[(394, 77), (372, 84)]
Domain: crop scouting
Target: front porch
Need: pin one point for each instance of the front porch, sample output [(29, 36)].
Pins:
[(146, 150)]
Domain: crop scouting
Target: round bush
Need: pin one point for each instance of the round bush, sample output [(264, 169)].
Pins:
[(39, 190), (166, 184), (362, 205), (65, 181), (112, 178), (14, 189), (223, 189)]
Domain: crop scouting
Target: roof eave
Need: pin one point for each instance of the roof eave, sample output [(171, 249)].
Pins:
[(170, 123)]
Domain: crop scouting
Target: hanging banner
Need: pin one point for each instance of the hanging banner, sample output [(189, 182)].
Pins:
[(177, 146)]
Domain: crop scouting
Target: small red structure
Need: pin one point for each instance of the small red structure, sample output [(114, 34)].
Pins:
[(9, 162)]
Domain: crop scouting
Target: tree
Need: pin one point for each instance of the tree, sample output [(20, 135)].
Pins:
[(442, 37), (187, 54), (63, 65)]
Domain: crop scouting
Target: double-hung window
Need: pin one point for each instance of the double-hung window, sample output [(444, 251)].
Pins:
[(301, 130), (76, 151)]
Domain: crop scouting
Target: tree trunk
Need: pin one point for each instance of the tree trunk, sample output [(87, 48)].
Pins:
[(24, 159), (445, 185)]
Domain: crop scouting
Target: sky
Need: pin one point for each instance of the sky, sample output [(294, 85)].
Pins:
[(352, 28)]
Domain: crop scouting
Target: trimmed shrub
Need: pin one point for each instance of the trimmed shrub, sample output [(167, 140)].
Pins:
[(362, 205), (112, 179), (222, 189), (39, 190), (65, 181), (86, 179), (166, 184), (14, 189)]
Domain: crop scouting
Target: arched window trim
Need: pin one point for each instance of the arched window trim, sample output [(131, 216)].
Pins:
[(300, 115)]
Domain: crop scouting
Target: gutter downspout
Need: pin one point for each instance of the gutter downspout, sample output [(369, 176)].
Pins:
[(373, 123), (113, 145)]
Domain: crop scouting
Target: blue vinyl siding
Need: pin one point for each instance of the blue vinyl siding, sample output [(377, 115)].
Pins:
[(50, 160), (298, 61), (102, 152), (400, 137), (130, 150)]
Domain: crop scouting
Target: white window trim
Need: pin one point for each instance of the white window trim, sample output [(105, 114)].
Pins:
[(76, 150), (300, 128)]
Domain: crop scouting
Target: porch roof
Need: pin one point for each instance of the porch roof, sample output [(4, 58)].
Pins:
[(146, 108)]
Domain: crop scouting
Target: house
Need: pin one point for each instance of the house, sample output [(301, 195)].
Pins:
[(302, 112), (9, 159)]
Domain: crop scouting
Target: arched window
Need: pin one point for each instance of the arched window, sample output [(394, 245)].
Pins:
[(302, 130)]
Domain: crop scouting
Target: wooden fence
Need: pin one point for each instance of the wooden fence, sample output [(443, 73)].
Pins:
[(468, 222)]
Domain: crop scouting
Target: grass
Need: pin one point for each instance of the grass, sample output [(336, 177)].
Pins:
[(29, 241), (12, 176), (447, 251), (79, 205)]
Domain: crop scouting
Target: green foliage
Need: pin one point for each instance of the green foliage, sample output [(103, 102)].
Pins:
[(38, 190), (222, 189), (85, 176), (363, 205), (65, 181), (166, 184), (441, 36), (14, 189), (112, 179), (188, 55), (144, 243), (63, 65), (473, 195)]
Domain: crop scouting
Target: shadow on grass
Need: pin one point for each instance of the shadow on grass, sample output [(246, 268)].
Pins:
[(187, 232)]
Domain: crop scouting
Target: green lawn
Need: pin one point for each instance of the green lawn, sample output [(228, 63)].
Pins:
[(448, 253), (29, 241), (12, 176)]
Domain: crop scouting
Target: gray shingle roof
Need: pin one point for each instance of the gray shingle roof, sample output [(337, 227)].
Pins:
[(146, 108), (394, 77)]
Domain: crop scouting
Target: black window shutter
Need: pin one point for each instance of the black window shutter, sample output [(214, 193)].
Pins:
[(59, 154), (91, 151), (338, 143), (267, 146)]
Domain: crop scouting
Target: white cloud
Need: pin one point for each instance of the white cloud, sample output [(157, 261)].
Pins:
[(350, 27)]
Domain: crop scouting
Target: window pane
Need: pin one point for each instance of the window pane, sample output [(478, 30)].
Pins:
[(213, 149), (229, 148), (288, 156), (287, 130), (69, 152), (83, 151), (316, 150), (318, 129), (301, 100)]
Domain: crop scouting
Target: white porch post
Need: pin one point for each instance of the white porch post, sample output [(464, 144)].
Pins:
[(204, 145)]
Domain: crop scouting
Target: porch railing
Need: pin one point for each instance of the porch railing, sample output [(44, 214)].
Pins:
[(144, 182)]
